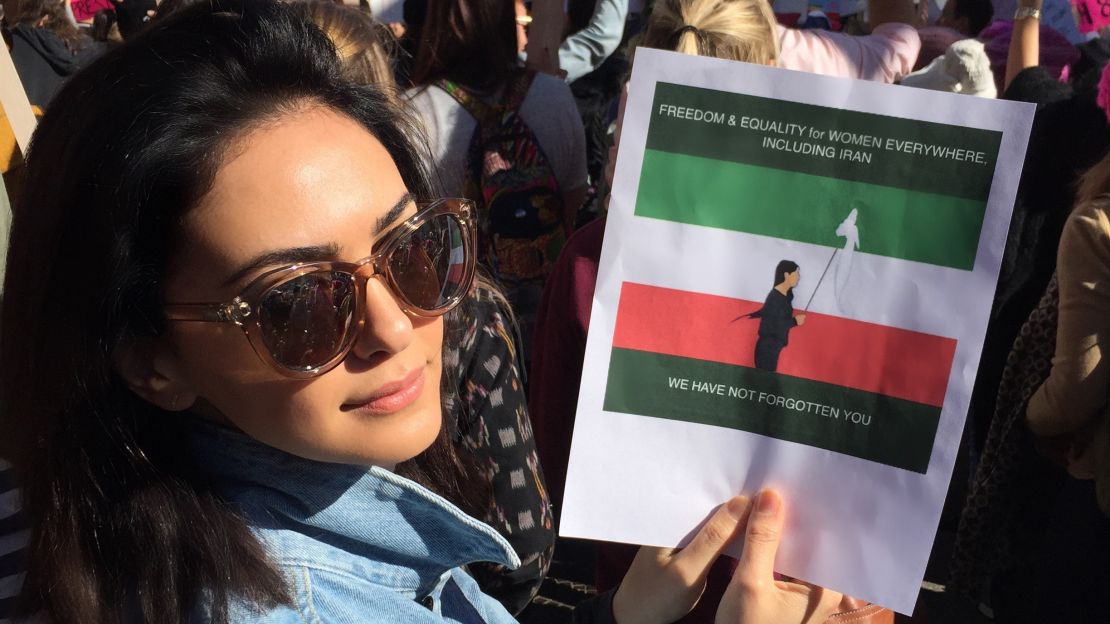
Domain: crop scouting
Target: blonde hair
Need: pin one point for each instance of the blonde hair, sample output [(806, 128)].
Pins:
[(365, 45), (738, 30)]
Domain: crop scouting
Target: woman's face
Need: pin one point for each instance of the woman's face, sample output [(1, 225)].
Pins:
[(313, 186), (792, 279)]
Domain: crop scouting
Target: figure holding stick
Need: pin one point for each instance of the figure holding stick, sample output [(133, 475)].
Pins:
[(776, 317)]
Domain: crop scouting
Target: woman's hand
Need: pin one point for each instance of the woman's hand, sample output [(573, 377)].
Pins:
[(800, 319), (664, 584), (754, 596)]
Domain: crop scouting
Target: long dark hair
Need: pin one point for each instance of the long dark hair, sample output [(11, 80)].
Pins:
[(121, 526), (470, 42), (782, 268)]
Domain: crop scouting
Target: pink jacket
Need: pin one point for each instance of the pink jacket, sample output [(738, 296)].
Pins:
[(886, 55)]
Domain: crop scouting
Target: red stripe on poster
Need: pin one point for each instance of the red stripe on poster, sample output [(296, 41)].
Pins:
[(866, 356)]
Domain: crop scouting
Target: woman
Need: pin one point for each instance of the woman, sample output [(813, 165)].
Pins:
[(776, 317), (365, 45), (46, 46), (474, 45), (743, 30), (498, 433), (229, 412), (1068, 411), (509, 138)]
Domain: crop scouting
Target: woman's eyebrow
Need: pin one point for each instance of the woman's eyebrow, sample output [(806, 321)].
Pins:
[(293, 255), (315, 253), (394, 213)]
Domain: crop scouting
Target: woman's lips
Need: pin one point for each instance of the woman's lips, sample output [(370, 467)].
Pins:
[(391, 397)]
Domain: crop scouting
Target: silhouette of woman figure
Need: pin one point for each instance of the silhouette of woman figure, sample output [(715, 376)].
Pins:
[(776, 317)]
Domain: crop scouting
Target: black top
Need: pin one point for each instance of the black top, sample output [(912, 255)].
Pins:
[(776, 317), (43, 61)]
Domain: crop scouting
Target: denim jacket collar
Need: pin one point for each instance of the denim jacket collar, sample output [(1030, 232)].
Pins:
[(370, 512)]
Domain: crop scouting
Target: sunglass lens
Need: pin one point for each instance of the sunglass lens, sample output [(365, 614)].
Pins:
[(429, 266), (307, 320)]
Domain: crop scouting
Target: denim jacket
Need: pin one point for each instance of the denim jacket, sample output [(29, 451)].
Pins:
[(354, 544)]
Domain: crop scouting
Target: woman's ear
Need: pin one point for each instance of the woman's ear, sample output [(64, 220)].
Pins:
[(151, 370)]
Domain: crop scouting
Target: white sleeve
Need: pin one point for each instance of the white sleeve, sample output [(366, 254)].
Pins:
[(588, 48)]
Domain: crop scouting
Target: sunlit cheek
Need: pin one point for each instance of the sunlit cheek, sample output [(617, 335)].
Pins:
[(429, 336)]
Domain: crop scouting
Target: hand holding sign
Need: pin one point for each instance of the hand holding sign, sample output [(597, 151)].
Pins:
[(664, 584), (754, 596), (726, 171)]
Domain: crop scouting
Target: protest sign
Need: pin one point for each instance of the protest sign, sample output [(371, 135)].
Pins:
[(1093, 14), (794, 287)]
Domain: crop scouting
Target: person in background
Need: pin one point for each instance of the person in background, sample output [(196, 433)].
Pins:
[(887, 54), (1031, 541), (585, 50), (1056, 53), (507, 137), (959, 20), (967, 17), (1069, 409), (480, 56), (47, 48), (366, 46), (104, 27)]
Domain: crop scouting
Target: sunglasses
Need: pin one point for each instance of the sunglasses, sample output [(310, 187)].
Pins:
[(303, 319)]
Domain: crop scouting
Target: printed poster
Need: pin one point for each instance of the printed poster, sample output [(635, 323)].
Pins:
[(793, 292)]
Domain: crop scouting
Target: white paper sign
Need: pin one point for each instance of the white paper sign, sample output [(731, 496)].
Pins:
[(793, 292)]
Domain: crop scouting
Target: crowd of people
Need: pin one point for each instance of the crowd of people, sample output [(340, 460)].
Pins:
[(295, 308)]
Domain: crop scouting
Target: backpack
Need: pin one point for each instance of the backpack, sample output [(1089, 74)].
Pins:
[(520, 208)]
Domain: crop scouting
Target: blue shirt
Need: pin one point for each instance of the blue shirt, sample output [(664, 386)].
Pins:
[(587, 49), (355, 544)]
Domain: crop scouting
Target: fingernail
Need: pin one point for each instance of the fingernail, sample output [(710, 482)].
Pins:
[(736, 507), (768, 503)]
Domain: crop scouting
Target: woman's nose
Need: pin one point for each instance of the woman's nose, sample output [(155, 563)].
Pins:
[(386, 329)]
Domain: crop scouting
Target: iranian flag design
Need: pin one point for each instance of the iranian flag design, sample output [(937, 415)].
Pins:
[(852, 183)]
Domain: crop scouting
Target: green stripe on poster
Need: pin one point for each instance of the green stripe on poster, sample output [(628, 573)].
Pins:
[(909, 225), (877, 149), (870, 426)]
